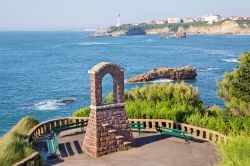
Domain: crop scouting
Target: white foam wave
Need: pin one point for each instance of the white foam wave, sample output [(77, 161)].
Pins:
[(46, 105), (106, 43), (161, 81), (232, 60), (208, 69), (96, 43), (154, 81)]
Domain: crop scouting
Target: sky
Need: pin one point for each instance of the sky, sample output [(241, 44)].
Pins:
[(75, 14)]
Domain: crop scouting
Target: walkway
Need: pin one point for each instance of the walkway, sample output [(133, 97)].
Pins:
[(152, 150)]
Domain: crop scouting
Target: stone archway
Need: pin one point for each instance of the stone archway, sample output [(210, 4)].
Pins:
[(108, 127)]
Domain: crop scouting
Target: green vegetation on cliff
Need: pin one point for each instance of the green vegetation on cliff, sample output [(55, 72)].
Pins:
[(145, 27), (243, 23), (13, 148)]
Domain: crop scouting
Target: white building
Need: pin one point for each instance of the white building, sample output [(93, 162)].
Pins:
[(174, 20), (158, 22), (188, 20), (212, 18)]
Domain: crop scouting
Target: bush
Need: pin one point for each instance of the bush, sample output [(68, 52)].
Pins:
[(13, 148), (83, 112), (223, 122), (158, 101)]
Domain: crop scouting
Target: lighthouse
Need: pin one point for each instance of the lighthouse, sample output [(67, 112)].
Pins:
[(118, 20)]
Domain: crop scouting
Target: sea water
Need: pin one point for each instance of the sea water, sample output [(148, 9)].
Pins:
[(38, 69)]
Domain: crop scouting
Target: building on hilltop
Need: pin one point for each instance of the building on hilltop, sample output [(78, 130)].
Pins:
[(246, 18), (235, 18), (188, 20), (212, 18), (174, 20), (158, 21), (199, 20)]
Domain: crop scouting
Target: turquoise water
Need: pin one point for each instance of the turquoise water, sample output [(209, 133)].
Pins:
[(39, 68)]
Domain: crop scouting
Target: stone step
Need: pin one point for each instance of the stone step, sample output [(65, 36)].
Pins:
[(105, 124), (119, 137), (127, 143), (112, 131)]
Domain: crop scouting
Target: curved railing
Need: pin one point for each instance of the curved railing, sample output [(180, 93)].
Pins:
[(47, 126), (196, 132), (33, 159)]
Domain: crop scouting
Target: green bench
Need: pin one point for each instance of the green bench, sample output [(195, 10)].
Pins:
[(174, 132), (137, 126), (52, 144)]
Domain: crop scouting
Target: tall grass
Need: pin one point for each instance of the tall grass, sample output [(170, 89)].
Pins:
[(12, 146), (236, 152)]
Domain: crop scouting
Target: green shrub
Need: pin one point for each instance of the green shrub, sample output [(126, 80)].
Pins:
[(13, 148), (235, 88), (158, 101), (83, 112), (224, 122)]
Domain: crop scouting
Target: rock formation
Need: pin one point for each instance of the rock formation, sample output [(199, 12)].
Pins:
[(66, 101), (182, 73), (176, 35)]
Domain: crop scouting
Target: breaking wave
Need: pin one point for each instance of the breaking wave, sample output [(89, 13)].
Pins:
[(232, 60), (96, 43), (46, 105), (208, 69), (153, 81)]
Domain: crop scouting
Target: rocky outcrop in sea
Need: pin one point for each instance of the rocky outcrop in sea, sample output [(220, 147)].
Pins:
[(181, 73)]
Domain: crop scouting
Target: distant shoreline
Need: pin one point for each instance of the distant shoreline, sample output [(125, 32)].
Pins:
[(227, 27)]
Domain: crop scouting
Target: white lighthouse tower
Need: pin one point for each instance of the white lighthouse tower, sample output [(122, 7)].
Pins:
[(118, 20)]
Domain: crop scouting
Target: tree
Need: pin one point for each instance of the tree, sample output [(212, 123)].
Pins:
[(235, 88)]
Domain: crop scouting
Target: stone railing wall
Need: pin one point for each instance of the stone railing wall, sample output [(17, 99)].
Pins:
[(196, 132), (34, 159), (47, 126)]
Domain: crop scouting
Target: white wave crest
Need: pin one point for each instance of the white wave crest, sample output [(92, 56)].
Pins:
[(232, 60), (153, 81), (208, 69), (46, 105), (96, 43), (161, 80)]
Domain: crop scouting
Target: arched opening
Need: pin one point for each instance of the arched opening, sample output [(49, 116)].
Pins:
[(107, 89)]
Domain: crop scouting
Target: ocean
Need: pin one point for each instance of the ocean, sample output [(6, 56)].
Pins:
[(38, 69)]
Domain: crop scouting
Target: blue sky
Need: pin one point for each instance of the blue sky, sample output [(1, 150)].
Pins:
[(65, 14)]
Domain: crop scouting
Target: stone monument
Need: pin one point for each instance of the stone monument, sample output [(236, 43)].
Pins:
[(108, 128)]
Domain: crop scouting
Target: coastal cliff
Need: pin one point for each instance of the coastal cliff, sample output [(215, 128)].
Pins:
[(226, 27), (182, 73), (223, 27)]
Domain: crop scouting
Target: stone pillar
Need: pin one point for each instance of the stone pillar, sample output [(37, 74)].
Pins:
[(108, 128)]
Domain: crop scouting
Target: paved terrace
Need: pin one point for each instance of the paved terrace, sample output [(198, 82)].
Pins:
[(151, 149)]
